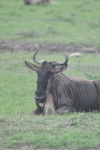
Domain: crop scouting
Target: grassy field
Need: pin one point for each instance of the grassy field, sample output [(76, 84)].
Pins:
[(62, 21), (19, 130)]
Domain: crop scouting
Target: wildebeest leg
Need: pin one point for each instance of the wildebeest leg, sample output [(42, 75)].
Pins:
[(49, 105), (62, 110), (38, 111)]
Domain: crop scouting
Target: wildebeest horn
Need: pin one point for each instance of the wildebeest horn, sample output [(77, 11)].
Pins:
[(57, 63), (35, 58)]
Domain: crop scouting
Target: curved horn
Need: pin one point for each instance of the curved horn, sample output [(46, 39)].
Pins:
[(55, 63), (35, 58)]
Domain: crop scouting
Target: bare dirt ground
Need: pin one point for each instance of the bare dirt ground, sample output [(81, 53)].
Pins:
[(18, 46), (26, 148)]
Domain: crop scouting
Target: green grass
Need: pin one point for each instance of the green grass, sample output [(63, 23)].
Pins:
[(64, 22), (20, 130), (76, 131)]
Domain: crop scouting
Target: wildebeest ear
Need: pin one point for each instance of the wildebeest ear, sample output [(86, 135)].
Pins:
[(60, 69), (31, 66)]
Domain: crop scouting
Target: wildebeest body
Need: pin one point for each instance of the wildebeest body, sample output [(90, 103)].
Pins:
[(57, 93), (75, 93)]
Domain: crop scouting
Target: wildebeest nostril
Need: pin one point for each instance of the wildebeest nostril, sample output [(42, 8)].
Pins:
[(35, 93), (39, 94)]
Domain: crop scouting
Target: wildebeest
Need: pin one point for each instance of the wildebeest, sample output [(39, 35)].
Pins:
[(57, 93), (35, 2)]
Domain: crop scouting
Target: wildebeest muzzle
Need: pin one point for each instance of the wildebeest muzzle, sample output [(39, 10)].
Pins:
[(40, 97)]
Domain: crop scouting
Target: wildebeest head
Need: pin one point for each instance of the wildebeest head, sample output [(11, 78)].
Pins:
[(44, 72)]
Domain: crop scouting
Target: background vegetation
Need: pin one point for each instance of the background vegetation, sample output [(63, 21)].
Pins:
[(61, 22)]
